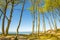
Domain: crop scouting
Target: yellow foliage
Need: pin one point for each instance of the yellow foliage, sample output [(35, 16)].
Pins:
[(51, 4), (48, 5), (31, 8), (40, 9), (54, 4), (58, 2), (38, 1)]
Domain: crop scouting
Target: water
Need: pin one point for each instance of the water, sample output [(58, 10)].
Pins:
[(19, 32), (24, 32)]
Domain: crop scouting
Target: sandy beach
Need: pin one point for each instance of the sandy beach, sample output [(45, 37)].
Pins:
[(32, 37)]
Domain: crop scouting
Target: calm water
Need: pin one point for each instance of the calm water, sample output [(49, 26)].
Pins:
[(19, 32)]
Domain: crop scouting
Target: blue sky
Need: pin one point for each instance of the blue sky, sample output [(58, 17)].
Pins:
[(26, 25)]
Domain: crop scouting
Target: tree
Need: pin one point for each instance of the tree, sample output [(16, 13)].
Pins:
[(49, 22), (51, 6), (32, 9), (38, 19), (9, 21), (41, 10), (3, 20), (21, 16), (13, 4)]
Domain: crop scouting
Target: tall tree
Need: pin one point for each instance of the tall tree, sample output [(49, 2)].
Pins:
[(3, 20), (44, 27), (37, 3), (13, 4), (9, 21), (49, 22), (54, 19), (21, 16), (33, 17), (33, 23)]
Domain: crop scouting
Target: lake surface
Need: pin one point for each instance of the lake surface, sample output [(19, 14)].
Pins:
[(19, 32)]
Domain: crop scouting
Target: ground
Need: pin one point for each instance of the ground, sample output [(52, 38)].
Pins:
[(42, 36)]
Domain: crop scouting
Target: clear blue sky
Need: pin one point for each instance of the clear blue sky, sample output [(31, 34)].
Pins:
[(26, 24)]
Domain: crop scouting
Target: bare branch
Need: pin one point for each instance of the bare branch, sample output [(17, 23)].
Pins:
[(3, 14)]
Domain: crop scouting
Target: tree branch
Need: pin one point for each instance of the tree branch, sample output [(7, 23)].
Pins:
[(3, 14)]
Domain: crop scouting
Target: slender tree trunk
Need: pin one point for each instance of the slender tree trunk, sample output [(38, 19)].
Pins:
[(36, 18), (55, 26), (38, 23), (49, 22), (21, 17), (44, 27), (33, 27), (57, 17), (9, 21), (3, 20), (33, 24), (51, 19)]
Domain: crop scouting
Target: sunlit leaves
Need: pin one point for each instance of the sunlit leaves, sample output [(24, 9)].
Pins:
[(31, 8), (51, 4), (40, 10), (47, 5), (54, 4)]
